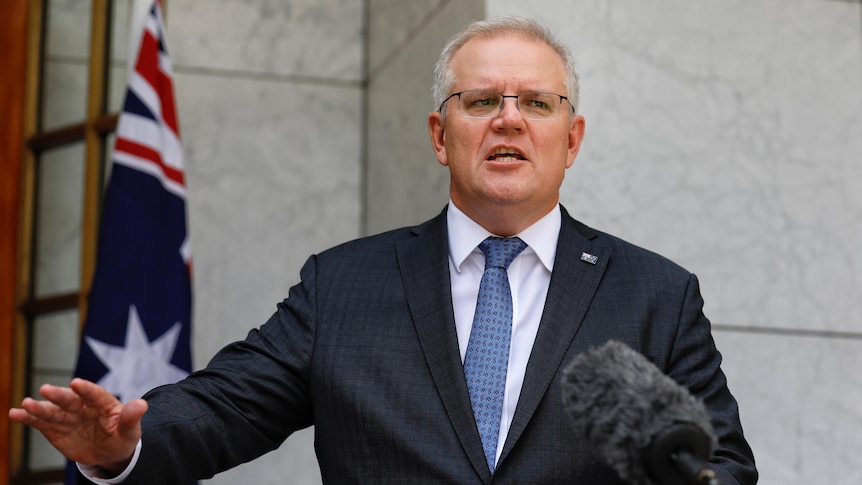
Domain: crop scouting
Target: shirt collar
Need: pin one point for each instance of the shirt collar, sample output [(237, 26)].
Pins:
[(465, 235)]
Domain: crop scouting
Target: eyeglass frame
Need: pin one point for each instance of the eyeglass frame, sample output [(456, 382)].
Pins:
[(503, 101)]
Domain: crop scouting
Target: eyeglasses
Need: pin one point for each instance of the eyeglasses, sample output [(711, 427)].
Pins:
[(489, 104)]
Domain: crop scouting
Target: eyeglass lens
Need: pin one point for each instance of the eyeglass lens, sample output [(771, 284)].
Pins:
[(487, 104)]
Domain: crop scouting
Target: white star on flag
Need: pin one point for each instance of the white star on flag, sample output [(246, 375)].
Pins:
[(139, 365)]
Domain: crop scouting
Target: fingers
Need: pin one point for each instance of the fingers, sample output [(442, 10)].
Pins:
[(21, 415), (84, 422), (81, 400), (64, 405), (62, 397), (93, 395), (41, 415), (40, 410)]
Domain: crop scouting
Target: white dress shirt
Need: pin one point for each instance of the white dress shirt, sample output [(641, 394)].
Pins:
[(98, 476), (529, 278)]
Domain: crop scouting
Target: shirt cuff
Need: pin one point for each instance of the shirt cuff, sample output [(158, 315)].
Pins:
[(99, 475)]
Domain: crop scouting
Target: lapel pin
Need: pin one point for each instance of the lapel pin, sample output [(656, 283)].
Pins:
[(590, 258)]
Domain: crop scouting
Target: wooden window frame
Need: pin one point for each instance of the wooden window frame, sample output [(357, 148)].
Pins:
[(13, 35), (22, 26)]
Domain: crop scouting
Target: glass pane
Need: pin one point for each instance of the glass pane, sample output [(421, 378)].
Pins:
[(67, 37), (120, 53), (117, 88), (55, 343), (42, 455), (65, 95), (121, 12), (68, 28), (54, 350), (58, 220)]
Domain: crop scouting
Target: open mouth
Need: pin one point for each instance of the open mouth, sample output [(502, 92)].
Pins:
[(504, 154)]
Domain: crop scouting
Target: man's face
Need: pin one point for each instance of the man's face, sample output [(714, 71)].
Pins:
[(506, 166)]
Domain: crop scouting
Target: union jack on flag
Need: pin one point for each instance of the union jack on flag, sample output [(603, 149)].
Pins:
[(137, 333)]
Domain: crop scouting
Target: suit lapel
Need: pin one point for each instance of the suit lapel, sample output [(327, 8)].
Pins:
[(424, 264), (574, 280)]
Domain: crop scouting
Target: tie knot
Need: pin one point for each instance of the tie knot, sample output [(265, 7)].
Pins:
[(501, 251)]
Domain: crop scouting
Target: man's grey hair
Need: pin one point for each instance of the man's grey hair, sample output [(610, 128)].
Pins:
[(444, 78)]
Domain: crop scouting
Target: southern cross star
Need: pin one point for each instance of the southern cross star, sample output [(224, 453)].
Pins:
[(139, 365)]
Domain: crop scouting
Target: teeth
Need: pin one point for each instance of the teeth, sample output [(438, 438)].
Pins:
[(503, 154), (506, 151), (506, 159)]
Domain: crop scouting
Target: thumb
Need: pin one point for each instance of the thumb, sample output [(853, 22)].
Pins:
[(128, 434), (130, 419)]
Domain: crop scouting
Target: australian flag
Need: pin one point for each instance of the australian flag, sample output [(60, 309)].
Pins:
[(137, 334)]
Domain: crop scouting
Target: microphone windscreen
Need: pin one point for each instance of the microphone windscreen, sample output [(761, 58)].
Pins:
[(621, 402)]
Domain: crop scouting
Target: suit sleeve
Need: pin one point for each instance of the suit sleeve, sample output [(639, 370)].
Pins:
[(695, 363), (250, 397)]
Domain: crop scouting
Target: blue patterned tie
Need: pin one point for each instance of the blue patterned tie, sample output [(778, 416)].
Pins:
[(487, 357)]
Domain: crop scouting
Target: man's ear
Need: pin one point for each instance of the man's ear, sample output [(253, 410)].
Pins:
[(437, 132), (576, 136)]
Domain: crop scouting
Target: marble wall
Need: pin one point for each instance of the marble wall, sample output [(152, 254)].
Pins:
[(405, 184), (270, 97), (725, 134)]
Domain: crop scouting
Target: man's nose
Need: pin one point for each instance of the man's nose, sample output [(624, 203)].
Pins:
[(509, 115)]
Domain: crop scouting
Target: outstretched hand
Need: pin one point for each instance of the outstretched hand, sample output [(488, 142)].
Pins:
[(86, 423)]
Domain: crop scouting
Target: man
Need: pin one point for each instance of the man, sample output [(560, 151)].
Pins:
[(377, 345)]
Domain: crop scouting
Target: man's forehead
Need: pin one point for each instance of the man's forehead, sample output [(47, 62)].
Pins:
[(502, 46), (502, 38), (507, 54)]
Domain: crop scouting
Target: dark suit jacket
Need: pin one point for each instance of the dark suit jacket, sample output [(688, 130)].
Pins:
[(364, 348)]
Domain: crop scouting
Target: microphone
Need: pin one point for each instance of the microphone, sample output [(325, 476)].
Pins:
[(647, 427)]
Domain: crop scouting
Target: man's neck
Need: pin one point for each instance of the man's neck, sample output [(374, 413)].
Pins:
[(502, 220)]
